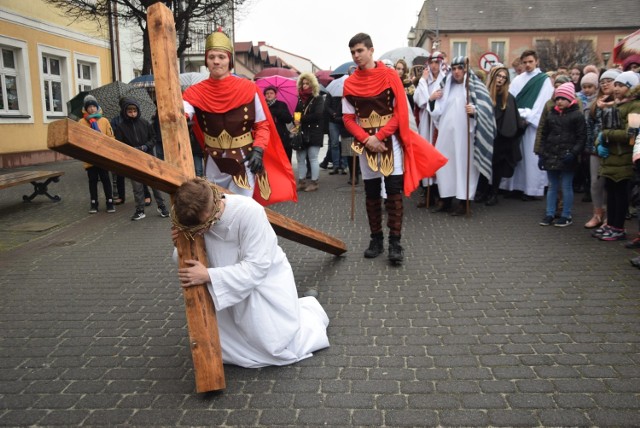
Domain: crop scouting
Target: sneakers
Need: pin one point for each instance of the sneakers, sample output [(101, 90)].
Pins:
[(110, 207), (546, 221), (562, 222), (139, 215), (94, 207), (600, 231), (614, 234), (163, 211), (633, 244)]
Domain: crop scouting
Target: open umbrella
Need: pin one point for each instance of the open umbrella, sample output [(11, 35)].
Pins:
[(336, 86), (626, 47), (286, 89), (343, 69), (188, 79), (108, 97), (408, 53), (144, 81), (276, 71), (324, 76)]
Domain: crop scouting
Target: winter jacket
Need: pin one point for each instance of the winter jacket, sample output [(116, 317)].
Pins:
[(281, 116), (617, 166), (563, 138), (136, 132), (312, 120)]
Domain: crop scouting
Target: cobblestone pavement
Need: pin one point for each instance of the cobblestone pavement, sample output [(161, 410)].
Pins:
[(492, 320)]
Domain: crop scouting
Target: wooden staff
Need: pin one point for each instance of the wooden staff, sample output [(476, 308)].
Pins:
[(353, 186), (468, 136)]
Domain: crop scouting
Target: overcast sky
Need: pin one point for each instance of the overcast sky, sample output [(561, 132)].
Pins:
[(320, 30)]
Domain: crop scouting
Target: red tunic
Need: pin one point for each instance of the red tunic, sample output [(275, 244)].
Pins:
[(220, 96), (421, 159)]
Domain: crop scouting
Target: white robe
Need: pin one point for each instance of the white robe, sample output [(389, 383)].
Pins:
[(450, 117), (421, 100), (261, 320), (527, 177)]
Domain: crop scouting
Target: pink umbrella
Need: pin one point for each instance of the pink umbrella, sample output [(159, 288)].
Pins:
[(286, 88), (276, 71), (324, 77)]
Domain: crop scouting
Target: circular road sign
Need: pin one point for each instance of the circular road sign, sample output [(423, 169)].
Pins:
[(488, 60)]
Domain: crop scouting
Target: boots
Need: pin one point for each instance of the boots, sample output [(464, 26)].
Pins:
[(312, 186), (376, 246), (596, 220), (492, 199), (396, 252), (302, 183)]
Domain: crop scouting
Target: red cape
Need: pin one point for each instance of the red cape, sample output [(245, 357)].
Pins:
[(219, 96), (421, 159)]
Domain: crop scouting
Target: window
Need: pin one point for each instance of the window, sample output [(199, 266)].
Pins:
[(52, 84), (499, 48), (87, 72), (84, 77), (55, 81), (14, 82), (459, 49)]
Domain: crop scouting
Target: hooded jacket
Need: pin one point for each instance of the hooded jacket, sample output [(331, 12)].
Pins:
[(136, 131), (563, 132)]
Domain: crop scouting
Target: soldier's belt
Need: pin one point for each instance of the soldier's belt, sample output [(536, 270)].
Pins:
[(375, 120), (225, 141)]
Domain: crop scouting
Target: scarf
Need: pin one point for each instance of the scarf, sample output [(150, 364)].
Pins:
[(305, 94), (527, 97), (93, 120)]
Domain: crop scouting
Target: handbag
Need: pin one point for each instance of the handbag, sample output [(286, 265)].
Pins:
[(299, 140)]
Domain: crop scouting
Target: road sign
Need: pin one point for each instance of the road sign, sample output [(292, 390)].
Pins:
[(488, 60)]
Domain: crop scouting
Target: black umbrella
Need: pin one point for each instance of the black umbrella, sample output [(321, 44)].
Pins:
[(109, 96), (342, 69)]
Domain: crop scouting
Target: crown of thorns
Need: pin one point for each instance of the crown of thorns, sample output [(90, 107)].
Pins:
[(192, 231)]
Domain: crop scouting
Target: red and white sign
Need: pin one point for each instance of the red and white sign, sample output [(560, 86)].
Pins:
[(488, 60)]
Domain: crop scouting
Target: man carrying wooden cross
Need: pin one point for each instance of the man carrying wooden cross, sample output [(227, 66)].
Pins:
[(234, 126), (261, 321)]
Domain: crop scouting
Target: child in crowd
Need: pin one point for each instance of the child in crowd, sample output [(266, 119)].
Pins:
[(137, 132), (601, 112), (94, 120), (612, 145), (562, 142)]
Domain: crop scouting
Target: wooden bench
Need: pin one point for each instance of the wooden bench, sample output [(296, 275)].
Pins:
[(35, 178)]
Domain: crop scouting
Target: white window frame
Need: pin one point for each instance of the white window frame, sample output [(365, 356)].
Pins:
[(23, 82), (504, 56), (65, 78), (467, 44), (94, 63)]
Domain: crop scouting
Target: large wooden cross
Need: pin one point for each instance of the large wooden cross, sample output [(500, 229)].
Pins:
[(81, 142)]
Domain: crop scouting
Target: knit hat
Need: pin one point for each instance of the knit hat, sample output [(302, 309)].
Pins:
[(562, 78), (566, 90), (589, 79), (611, 73), (628, 79), (590, 69), (90, 100)]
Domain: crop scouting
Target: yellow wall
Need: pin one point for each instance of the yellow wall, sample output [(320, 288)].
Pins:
[(31, 137)]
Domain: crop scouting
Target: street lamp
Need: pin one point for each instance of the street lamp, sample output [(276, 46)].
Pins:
[(605, 58)]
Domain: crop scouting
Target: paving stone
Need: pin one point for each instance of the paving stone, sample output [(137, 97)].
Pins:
[(481, 332)]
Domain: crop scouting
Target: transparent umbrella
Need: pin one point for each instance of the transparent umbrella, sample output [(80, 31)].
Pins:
[(407, 53)]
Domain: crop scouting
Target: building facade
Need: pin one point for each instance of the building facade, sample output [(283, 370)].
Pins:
[(45, 61), (475, 28)]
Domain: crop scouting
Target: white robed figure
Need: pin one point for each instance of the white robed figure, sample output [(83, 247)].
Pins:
[(527, 177), (261, 320), (427, 85), (450, 117)]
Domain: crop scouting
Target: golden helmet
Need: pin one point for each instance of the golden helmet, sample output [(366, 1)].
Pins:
[(219, 40)]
